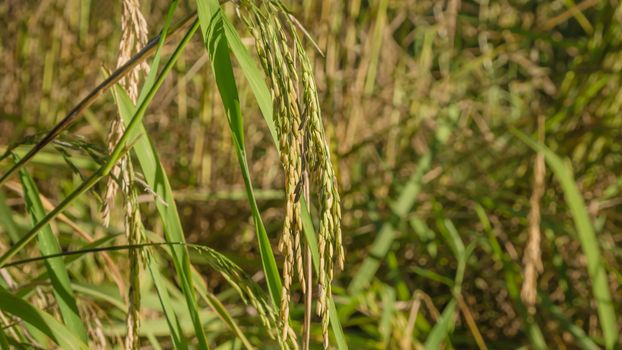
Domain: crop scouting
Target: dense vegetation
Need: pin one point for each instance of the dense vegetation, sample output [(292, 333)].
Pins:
[(465, 154)]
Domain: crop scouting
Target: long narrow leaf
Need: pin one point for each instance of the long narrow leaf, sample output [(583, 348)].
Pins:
[(174, 326), (68, 260), (226, 317), (57, 272)]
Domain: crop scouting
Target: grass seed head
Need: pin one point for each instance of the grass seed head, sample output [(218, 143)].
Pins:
[(303, 148), (133, 39)]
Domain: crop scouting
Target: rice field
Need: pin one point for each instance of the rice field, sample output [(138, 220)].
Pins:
[(275, 174)]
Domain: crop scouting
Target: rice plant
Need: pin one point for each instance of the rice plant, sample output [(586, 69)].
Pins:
[(263, 174)]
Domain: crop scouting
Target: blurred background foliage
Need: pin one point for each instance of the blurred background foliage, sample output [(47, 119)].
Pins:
[(419, 101)]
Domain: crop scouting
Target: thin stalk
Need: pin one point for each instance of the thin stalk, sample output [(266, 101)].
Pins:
[(91, 250)]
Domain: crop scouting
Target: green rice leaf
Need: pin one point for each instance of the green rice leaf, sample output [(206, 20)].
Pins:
[(57, 272)]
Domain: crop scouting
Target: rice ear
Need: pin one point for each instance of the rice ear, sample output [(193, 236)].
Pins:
[(134, 37), (303, 149)]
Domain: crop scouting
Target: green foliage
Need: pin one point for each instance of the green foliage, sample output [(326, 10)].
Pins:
[(57, 272), (428, 108)]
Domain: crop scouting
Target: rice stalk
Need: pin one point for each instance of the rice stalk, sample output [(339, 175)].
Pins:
[(303, 149), (133, 229), (63, 293), (288, 124), (134, 37)]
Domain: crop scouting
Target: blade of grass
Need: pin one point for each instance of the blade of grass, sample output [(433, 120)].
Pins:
[(89, 249), (40, 320), (224, 315), (443, 327), (253, 75), (174, 326), (83, 187), (401, 288), (589, 241), (445, 324), (57, 271), (213, 301), (222, 312), (52, 158), (433, 276), (153, 341), (98, 293), (25, 292)]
